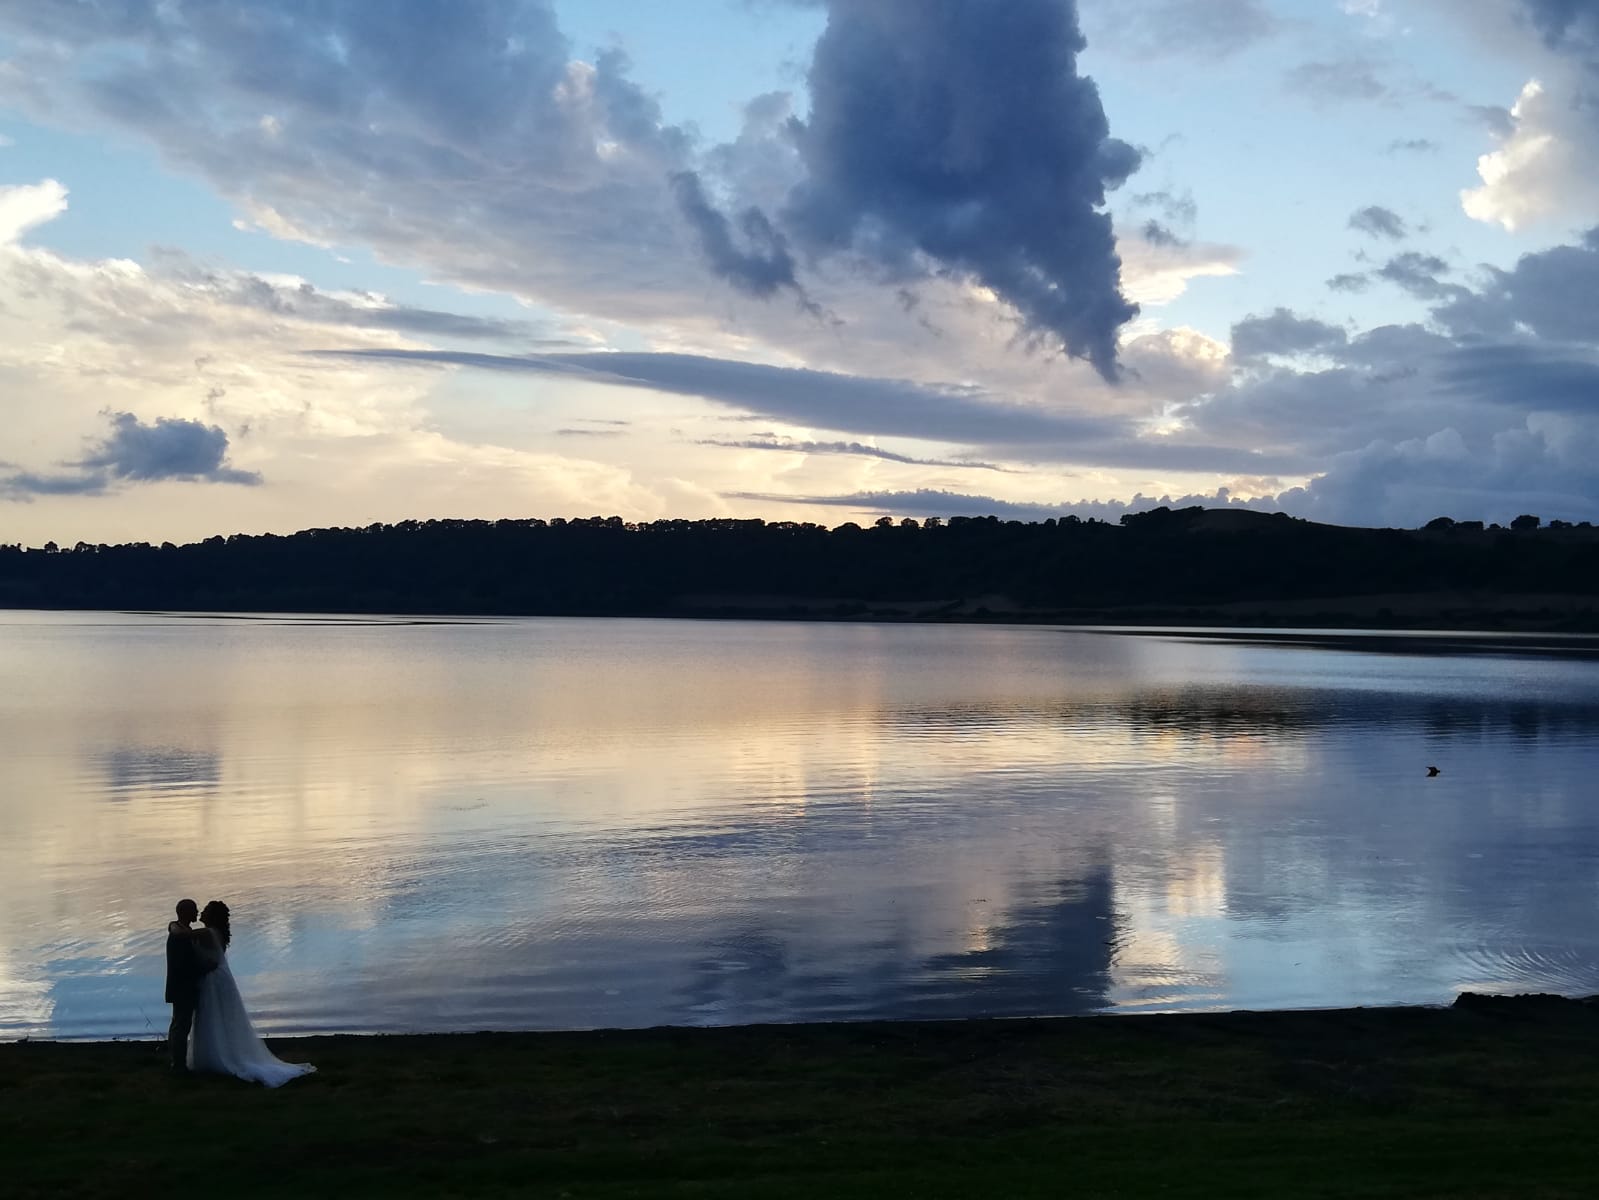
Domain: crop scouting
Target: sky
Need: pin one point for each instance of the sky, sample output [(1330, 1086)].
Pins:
[(270, 265)]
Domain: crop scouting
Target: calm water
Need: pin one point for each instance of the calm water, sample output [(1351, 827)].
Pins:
[(569, 823)]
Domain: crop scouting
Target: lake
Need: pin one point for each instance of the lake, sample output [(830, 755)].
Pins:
[(551, 823)]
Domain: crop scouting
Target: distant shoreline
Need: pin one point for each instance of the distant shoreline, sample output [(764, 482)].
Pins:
[(1568, 623), (1526, 1006), (1194, 567)]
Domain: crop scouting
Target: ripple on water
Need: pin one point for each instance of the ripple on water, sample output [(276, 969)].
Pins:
[(1528, 967)]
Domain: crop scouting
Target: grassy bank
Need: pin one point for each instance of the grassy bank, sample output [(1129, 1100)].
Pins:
[(1500, 1099)]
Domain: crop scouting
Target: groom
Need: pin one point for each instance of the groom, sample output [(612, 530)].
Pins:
[(185, 965)]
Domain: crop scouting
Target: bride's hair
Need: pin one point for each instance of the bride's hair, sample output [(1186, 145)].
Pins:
[(215, 916)]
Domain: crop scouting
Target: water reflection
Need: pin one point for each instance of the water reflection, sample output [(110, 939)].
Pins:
[(131, 769), (567, 823)]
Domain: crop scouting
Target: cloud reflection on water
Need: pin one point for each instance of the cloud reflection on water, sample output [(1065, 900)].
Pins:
[(547, 823)]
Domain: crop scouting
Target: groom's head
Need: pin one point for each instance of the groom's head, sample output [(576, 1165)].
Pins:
[(188, 910)]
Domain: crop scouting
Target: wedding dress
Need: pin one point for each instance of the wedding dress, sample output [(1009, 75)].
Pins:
[(225, 1043)]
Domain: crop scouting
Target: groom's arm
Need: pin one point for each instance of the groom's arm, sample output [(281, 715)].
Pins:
[(206, 951)]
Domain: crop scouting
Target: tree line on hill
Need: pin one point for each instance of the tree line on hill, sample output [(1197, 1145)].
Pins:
[(1163, 561)]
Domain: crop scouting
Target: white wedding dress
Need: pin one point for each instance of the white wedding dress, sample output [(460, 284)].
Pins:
[(223, 1042)]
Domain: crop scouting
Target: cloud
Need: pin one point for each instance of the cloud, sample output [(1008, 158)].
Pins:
[(847, 403), (1412, 146), (299, 300), (760, 269), (1565, 23), (1178, 208), (1494, 118), (934, 502), (1378, 222), (510, 165), (1418, 274), (340, 440), (1283, 333), (1157, 271), (850, 449), (1554, 381), (1338, 81), (1349, 282), (1547, 293), (1176, 363), (25, 206), (462, 138), (961, 133), (1486, 412), (24, 485), (1406, 483), (1205, 29), (1157, 234), (959, 414), (1476, 437), (170, 448), (1547, 163), (924, 502)]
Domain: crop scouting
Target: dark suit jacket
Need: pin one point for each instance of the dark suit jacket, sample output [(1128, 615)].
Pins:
[(184, 968)]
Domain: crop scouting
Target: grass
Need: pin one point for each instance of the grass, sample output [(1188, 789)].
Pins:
[(1497, 1099)]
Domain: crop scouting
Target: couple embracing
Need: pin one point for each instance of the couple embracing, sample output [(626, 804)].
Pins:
[(210, 1030)]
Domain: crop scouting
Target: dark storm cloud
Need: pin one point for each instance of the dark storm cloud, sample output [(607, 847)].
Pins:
[(1379, 222), (761, 266), (1282, 332), (170, 448), (961, 131)]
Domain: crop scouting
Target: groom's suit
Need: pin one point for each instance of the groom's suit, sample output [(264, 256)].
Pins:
[(185, 966)]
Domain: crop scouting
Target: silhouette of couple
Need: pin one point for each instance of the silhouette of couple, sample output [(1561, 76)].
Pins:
[(210, 1030)]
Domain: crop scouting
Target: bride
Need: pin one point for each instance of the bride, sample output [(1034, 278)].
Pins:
[(224, 1042)]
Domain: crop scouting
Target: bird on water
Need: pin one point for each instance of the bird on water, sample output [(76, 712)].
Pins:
[(1431, 771)]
